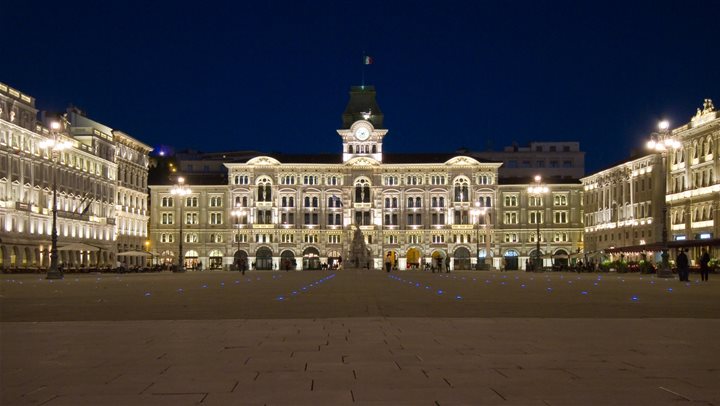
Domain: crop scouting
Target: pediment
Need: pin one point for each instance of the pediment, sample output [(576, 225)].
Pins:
[(462, 161), (263, 160), (362, 161)]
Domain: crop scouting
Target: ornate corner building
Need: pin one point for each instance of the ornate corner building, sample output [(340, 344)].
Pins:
[(626, 203), (270, 210), (101, 184)]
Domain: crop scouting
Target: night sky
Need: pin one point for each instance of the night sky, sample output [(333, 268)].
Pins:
[(274, 76)]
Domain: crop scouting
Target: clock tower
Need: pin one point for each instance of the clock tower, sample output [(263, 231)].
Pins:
[(362, 131)]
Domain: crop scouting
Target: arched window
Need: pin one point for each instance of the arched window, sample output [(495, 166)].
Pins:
[(418, 202), (314, 201), (362, 191), (461, 190), (264, 190)]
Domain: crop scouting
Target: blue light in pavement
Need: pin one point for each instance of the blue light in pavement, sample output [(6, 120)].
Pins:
[(522, 286), (204, 286), (180, 290), (439, 292), (147, 293), (584, 292), (458, 297), (669, 289), (635, 298), (549, 289), (280, 298)]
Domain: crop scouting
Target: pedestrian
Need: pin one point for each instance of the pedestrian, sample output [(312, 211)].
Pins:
[(388, 261), (683, 266), (704, 265)]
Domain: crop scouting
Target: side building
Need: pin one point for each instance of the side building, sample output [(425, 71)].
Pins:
[(86, 175), (667, 199)]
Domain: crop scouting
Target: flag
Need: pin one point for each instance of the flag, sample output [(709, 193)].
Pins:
[(368, 60)]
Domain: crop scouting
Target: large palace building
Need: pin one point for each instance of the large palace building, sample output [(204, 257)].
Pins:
[(101, 188), (435, 209)]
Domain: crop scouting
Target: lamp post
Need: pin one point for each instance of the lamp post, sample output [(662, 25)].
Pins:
[(661, 142), (477, 211), (181, 190), (54, 145), (147, 249), (538, 190), (238, 213)]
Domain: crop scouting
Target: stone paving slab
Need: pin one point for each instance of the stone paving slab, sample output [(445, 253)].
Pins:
[(574, 362), (359, 338)]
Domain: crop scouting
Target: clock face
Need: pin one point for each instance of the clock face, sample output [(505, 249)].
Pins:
[(362, 133)]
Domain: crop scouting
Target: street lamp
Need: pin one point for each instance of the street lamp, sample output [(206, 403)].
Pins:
[(238, 213), (54, 146), (180, 189), (477, 212), (661, 142), (147, 249), (537, 191)]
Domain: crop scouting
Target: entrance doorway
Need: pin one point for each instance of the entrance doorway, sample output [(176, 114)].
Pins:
[(512, 262), (311, 259), (191, 259), (461, 259), (215, 257), (263, 259), (438, 261), (287, 260), (240, 260), (413, 258)]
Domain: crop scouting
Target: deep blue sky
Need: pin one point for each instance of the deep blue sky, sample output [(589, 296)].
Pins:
[(274, 76)]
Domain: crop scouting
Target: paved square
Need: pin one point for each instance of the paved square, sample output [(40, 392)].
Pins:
[(359, 337)]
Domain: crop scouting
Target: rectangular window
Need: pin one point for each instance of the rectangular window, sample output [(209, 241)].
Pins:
[(191, 218), (215, 201), (167, 218), (438, 239), (510, 217), (535, 217), (561, 217), (216, 218), (511, 200), (191, 202), (560, 200)]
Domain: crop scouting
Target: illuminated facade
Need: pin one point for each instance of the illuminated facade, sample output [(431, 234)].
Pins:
[(86, 176), (422, 208), (624, 204)]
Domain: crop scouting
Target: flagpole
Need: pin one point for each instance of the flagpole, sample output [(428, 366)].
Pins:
[(362, 83)]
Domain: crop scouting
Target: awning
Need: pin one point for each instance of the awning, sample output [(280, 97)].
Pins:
[(658, 246), (134, 254), (78, 246)]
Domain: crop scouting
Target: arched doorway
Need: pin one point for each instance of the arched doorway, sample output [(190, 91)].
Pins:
[(240, 259), (191, 259), (438, 260), (512, 262), (560, 259), (461, 259), (391, 257), (215, 257), (263, 259), (413, 258), (334, 259), (311, 259), (535, 261), (166, 258), (482, 261), (287, 260)]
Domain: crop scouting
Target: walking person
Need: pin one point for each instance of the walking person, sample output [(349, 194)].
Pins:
[(704, 265), (683, 266)]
